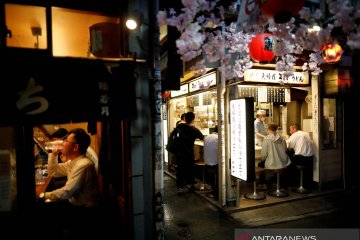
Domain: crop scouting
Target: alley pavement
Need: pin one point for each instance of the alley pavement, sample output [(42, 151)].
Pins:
[(191, 216)]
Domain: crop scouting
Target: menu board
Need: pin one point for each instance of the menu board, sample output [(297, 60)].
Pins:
[(242, 139)]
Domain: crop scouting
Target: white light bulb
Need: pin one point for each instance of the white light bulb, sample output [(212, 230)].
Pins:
[(131, 24)]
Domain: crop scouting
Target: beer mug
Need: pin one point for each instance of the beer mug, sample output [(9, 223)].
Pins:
[(51, 145)]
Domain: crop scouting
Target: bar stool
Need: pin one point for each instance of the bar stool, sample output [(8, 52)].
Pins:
[(301, 188), (278, 192), (255, 195)]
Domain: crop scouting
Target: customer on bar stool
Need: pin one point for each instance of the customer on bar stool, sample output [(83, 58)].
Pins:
[(61, 134), (273, 151), (211, 161), (301, 145), (78, 200), (185, 156)]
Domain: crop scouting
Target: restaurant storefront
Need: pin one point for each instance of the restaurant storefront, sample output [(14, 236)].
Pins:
[(44, 94), (285, 100)]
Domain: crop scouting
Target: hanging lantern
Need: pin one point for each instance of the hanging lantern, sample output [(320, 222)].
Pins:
[(165, 94), (281, 10), (332, 52), (261, 48)]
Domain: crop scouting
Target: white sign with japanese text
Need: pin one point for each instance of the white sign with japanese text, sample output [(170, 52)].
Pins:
[(272, 76), (184, 89), (203, 82), (238, 139)]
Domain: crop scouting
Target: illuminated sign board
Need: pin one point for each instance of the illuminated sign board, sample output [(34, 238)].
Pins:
[(184, 89), (272, 76), (203, 82), (242, 139)]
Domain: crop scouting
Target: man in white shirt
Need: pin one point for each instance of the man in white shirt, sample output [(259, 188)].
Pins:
[(77, 201), (211, 160), (301, 143), (259, 127)]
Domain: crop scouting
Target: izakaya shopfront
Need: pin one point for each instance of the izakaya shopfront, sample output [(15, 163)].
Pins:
[(285, 100), (45, 93)]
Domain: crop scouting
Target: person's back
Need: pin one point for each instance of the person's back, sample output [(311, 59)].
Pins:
[(303, 152), (211, 148), (274, 150), (185, 156), (300, 142), (189, 135), (211, 161)]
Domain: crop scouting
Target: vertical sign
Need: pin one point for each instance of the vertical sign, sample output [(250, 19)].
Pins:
[(242, 139)]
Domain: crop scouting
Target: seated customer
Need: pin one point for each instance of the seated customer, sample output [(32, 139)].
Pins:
[(61, 134), (211, 160), (77, 201), (273, 151), (301, 144)]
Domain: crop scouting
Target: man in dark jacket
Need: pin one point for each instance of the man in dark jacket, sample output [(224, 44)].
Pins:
[(185, 155)]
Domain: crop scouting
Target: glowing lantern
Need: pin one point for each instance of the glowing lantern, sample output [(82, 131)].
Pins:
[(166, 94), (281, 10), (332, 52), (261, 48)]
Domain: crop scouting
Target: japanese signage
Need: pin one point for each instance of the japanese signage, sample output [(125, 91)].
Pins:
[(184, 89), (55, 90), (242, 139), (272, 76), (203, 82)]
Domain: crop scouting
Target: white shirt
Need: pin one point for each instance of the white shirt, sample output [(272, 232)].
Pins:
[(211, 149), (301, 142), (91, 154), (259, 127), (81, 187)]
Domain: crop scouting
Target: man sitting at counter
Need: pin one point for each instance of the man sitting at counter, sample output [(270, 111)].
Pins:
[(273, 151), (302, 146), (78, 199)]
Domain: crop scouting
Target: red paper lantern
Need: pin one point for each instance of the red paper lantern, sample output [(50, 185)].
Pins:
[(281, 10), (261, 48), (166, 94), (332, 52)]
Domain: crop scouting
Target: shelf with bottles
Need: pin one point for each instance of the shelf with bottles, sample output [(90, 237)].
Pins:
[(40, 136)]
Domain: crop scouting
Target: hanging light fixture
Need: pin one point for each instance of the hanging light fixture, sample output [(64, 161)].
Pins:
[(134, 20), (36, 32), (332, 52), (261, 48)]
